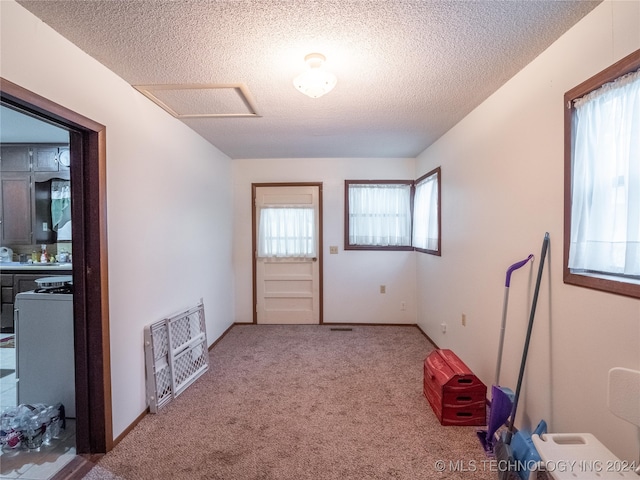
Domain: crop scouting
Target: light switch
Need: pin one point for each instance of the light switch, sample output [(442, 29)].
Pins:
[(45, 227), (333, 250)]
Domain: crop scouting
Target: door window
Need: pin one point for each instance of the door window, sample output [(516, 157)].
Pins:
[(287, 232)]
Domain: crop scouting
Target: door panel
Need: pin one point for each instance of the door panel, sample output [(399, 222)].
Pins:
[(16, 208), (288, 288)]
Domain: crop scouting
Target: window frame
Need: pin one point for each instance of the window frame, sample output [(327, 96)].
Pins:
[(347, 244), (602, 282), (435, 171), (412, 184)]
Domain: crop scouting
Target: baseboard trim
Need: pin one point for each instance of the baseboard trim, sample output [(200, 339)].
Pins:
[(133, 424), (428, 337), (358, 324), (222, 336)]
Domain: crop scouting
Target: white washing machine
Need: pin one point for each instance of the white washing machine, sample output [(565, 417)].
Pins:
[(45, 363)]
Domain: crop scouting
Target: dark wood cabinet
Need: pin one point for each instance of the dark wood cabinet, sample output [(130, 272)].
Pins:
[(45, 159), (15, 158), (16, 208), (23, 282), (6, 319), (25, 191), (42, 220)]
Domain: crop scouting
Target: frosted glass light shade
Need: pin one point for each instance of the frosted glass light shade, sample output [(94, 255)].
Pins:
[(315, 82)]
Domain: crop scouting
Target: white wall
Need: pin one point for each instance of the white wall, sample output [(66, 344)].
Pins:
[(352, 278), (169, 203), (502, 189)]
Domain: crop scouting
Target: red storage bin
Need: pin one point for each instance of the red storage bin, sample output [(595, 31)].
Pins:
[(455, 394)]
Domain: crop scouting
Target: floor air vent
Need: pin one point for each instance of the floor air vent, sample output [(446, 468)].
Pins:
[(176, 355)]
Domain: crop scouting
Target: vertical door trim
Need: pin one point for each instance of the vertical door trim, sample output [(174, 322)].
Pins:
[(94, 428), (254, 246)]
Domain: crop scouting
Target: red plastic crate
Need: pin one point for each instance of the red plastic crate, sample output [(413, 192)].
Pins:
[(455, 394)]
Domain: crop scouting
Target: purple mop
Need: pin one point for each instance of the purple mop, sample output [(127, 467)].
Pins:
[(501, 397)]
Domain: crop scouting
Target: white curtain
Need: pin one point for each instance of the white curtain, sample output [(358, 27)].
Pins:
[(605, 210), (287, 232), (380, 214), (425, 214)]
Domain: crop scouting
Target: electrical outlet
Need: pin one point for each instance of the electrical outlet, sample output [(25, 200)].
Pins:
[(443, 327), (333, 250), (383, 289), (464, 320), (403, 306)]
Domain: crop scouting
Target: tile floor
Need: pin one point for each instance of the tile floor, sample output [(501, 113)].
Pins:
[(40, 464)]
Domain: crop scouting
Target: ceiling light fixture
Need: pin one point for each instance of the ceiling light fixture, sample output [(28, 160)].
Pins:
[(315, 82)]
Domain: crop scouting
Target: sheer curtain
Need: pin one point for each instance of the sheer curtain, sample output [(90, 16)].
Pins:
[(380, 214), (60, 203), (425, 214), (605, 210), (287, 232)]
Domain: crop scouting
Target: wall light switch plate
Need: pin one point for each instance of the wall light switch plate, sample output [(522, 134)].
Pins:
[(333, 250)]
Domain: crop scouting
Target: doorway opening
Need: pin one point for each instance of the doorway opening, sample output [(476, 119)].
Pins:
[(90, 300)]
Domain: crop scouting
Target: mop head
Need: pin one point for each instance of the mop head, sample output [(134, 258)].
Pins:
[(501, 403)]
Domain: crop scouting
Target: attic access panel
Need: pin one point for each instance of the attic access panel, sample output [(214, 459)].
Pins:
[(202, 100)]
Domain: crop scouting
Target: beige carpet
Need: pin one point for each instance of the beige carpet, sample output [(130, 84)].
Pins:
[(303, 402)]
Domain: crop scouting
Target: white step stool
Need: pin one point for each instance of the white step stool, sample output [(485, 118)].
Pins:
[(576, 456), (581, 456)]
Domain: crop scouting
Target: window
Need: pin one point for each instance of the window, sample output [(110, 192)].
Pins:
[(393, 215), (378, 215), (602, 180), (426, 213), (286, 232)]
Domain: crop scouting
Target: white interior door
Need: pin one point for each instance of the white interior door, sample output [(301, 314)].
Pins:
[(287, 254)]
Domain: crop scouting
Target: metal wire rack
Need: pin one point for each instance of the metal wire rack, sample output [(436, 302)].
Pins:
[(175, 355)]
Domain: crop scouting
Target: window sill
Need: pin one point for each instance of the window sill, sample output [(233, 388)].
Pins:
[(378, 247), (427, 251), (629, 287), (612, 278)]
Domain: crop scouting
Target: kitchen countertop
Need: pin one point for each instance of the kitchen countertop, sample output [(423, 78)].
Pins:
[(26, 267)]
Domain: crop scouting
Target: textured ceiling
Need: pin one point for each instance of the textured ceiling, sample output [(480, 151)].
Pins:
[(408, 70)]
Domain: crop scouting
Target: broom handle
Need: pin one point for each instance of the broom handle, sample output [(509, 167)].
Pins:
[(505, 301), (514, 407)]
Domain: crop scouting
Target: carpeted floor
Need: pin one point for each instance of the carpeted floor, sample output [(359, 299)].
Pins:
[(302, 402)]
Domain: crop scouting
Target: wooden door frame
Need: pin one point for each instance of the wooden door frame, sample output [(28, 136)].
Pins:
[(254, 246), (94, 430)]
